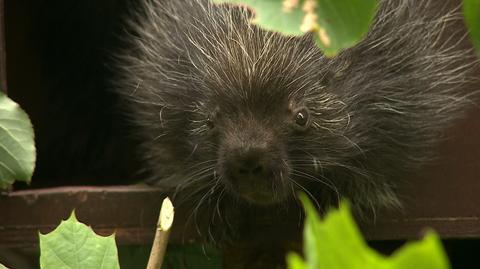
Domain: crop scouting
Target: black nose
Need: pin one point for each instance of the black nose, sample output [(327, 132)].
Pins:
[(250, 166)]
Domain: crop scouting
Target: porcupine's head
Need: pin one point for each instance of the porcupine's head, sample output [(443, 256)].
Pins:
[(229, 110)]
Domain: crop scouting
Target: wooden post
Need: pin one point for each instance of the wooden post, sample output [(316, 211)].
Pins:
[(3, 53)]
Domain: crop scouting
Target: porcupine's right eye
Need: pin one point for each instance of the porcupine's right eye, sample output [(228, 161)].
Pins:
[(301, 118)]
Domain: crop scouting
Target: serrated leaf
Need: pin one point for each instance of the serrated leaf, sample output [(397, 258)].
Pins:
[(333, 238), (339, 24), (336, 243), (3, 266), (74, 245), (17, 146), (471, 11)]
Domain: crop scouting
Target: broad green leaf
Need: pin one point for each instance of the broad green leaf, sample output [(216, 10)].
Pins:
[(269, 15), (336, 25), (424, 254), (17, 146), (311, 234), (345, 22), (471, 11), (74, 245), (3, 266), (336, 243), (295, 262)]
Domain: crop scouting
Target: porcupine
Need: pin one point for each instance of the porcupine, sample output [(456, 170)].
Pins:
[(239, 117)]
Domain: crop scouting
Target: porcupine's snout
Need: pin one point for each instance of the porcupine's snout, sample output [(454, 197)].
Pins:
[(253, 167)]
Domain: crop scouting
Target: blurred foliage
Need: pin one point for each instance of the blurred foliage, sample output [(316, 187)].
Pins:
[(336, 243), (336, 25), (471, 11)]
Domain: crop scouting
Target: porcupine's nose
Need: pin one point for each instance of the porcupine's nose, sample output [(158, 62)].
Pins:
[(250, 165), (250, 173)]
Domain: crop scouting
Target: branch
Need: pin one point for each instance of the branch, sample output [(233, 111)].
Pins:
[(165, 220)]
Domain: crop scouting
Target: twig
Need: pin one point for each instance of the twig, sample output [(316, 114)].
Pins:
[(165, 220)]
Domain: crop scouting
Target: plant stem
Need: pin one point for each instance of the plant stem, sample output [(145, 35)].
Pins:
[(165, 220)]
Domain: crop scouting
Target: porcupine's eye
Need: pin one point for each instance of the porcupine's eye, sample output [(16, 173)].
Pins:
[(210, 121), (210, 124), (301, 118)]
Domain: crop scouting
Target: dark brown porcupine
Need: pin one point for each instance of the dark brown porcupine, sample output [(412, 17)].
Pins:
[(238, 117)]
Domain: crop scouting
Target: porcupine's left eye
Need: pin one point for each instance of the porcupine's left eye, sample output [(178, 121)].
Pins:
[(210, 124), (301, 118), (212, 117)]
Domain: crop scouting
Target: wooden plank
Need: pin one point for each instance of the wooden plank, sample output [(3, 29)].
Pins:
[(443, 195), (131, 212), (3, 53)]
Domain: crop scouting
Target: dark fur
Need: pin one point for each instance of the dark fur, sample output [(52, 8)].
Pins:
[(377, 110)]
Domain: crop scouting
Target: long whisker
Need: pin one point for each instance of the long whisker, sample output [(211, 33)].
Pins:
[(316, 179), (307, 192)]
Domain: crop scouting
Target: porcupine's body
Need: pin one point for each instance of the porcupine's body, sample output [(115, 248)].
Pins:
[(236, 115)]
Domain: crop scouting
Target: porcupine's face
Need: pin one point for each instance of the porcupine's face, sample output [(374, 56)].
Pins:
[(223, 107), (228, 108), (264, 154), (270, 140), (253, 159), (263, 121)]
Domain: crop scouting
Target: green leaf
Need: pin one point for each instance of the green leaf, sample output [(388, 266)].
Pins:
[(425, 254), (334, 237), (471, 11), (270, 15), (345, 22), (17, 146), (336, 243), (336, 25), (3, 266), (74, 245), (295, 262)]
